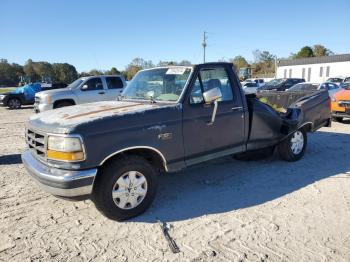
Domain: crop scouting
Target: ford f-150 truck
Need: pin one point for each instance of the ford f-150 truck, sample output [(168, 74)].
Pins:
[(165, 120), (83, 90)]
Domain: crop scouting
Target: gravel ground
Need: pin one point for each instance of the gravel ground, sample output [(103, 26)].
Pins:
[(225, 210)]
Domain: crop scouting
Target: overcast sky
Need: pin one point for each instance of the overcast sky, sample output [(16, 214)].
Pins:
[(101, 34)]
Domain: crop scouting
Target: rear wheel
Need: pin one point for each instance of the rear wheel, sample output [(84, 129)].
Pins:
[(293, 147), (14, 103), (125, 188)]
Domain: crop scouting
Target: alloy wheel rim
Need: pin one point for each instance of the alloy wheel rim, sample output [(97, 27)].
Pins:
[(130, 190), (297, 142), (14, 103)]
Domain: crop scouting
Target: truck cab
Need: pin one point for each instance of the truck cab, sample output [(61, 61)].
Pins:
[(83, 90)]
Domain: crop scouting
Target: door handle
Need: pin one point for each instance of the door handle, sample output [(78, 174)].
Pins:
[(237, 108), (101, 93)]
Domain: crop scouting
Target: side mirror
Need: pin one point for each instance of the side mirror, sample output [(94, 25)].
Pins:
[(212, 95), (84, 87)]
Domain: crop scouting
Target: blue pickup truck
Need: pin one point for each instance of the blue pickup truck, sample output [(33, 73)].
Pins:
[(25, 95), (166, 119)]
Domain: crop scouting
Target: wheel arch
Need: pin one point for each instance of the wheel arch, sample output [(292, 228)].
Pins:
[(308, 127), (68, 100), (151, 154)]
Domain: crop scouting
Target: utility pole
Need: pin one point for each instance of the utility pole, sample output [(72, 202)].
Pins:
[(204, 44)]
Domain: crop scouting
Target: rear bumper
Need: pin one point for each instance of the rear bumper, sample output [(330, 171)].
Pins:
[(59, 182)]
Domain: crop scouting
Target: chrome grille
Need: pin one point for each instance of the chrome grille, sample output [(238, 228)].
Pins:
[(344, 103), (36, 143)]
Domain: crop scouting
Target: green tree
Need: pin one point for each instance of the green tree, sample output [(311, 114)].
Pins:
[(64, 72), (306, 51), (320, 50), (264, 63), (114, 71), (239, 62), (29, 70), (184, 63)]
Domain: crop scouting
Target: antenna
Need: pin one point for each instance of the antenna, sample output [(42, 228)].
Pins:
[(204, 44)]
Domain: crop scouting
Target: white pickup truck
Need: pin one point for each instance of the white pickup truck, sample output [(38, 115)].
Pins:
[(83, 90)]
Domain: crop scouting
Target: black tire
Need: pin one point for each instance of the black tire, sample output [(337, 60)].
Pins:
[(107, 179), (14, 103), (285, 147), (63, 104), (255, 155), (338, 119)]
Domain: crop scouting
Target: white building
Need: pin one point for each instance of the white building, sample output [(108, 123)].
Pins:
[(315, 69)]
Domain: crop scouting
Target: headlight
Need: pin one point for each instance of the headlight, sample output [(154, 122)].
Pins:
[(65, 148), (2, 97), (47, 99), (333, 99)]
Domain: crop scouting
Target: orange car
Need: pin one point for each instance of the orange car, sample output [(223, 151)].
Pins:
[(341, 104)]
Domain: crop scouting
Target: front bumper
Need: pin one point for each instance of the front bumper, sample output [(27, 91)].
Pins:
[(66, 183), (42, 107)]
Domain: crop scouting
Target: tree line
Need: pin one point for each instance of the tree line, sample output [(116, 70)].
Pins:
[(263, 65), (264, 62)]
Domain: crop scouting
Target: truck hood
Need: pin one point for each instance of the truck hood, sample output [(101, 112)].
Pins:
[(54, 92), (63, 119), (342, 95)]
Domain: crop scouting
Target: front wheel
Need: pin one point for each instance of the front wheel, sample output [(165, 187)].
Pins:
[(125, 188), (293, 147)]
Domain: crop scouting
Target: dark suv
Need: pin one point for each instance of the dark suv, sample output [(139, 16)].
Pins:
[(281, 84)]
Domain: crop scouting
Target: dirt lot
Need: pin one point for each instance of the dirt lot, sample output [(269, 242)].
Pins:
[(226, 210)]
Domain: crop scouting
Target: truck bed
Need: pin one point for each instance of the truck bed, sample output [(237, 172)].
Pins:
[(268, 126)]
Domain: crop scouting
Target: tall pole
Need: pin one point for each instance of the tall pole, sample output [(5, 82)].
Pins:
[(204, 44)]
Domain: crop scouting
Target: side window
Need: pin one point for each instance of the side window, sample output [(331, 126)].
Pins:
[(114, 82), (196, 96), (289, 83), (93, 84), (217, 77), (323, 86), (332, 86)]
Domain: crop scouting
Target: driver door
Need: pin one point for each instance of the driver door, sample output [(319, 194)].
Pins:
[(203, 140), (91, 91)]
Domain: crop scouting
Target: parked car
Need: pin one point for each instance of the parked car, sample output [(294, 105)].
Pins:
[(332, 88), (335, 80), (341, 104), (166, 119), (281, 84), (83, 90), (259, 81), (25, 95), (303, 87), (250, 87), (346, 80)]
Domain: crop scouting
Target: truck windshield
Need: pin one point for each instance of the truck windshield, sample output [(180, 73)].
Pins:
[(75, 84), (159, 84)]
